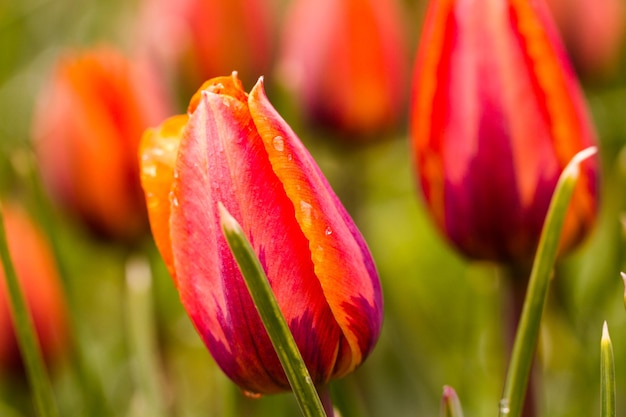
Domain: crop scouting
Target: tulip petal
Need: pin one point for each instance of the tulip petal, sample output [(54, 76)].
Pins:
[(342, 262), (158, 150)]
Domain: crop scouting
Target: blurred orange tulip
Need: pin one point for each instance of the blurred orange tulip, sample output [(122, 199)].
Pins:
[(87, 127), (194, 40), (346, 60), (40, 284)]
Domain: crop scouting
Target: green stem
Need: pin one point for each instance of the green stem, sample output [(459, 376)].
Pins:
[(526, 338), (607, 374), (271, 316), (93, 395), (141, 332), (25, 333), (450, 403)]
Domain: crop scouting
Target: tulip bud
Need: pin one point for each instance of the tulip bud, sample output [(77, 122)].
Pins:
[(87, 128), (496, 115), (236, 149), (40, 284), (346, 61)]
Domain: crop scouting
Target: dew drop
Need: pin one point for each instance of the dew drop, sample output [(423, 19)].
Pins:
[(279, 143), (158, 152), (150, 170), (174, 201), (290, 157), (306, 212), (328, 231), (253, 395)]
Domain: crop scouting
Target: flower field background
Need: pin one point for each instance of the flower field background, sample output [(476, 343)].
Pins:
[(447, 320)]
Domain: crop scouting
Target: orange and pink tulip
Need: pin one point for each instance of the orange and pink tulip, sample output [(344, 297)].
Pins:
[(234, 148), (496, 115)]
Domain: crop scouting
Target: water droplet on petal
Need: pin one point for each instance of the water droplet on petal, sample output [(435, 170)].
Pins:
[(158, 152), (253, 395), (149, 170), (290, 157), (306, 213), (328, 231), (174, 201), (279, 143)]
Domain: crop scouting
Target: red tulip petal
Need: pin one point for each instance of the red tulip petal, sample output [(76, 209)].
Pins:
[(342, 262)]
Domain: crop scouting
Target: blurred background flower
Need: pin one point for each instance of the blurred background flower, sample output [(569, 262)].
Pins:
[(194, 40), (497, 113), (346, 61), (36, 269), (87, 125)]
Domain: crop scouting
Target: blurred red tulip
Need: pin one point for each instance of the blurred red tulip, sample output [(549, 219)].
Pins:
[(40, 284), (346, 60), (199, 39), (496, 115), (593, 33), (236, 149), (87, 127)]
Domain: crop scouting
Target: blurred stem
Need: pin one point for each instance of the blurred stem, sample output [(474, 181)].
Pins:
[(527, 333), (607, 374), (517, 277), (7, 411), (25, 332), (324, 394), (450, 403), (272, 318), (92, 390), (142, 335)]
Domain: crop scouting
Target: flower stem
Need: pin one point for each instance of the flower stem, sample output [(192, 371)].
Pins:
[(25, 333), (271, 316), (93, 392), (517, 376), (141, 331)]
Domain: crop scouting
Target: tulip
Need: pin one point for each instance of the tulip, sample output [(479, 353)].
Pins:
[(496, 115), (346, 61), (194, 40), (40, 283), (235, 149), (87, 127)]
